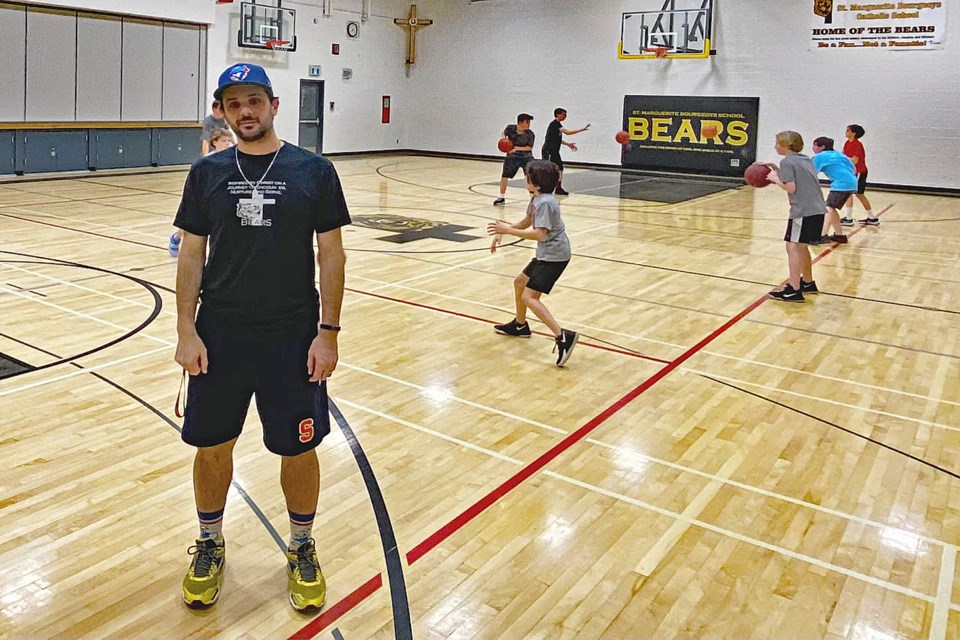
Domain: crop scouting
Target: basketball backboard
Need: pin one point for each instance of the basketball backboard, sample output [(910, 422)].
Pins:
[(262, 24), (682, 28)]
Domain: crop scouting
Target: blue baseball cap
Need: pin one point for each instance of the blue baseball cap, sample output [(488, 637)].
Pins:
[(243, 73)]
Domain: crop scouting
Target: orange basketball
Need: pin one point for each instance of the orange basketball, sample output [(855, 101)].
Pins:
[(622, 137), (756, 175), (505, 145), (709, 131)]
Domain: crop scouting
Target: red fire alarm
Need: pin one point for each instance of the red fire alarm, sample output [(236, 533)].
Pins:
[(385, 111)]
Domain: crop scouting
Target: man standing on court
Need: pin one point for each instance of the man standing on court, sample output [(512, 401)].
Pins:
[(553, 140), (259, 329)]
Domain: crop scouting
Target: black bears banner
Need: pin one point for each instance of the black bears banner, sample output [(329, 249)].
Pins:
[(698, 134)]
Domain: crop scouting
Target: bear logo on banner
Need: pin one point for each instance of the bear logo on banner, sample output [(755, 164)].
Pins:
[(824, 9)]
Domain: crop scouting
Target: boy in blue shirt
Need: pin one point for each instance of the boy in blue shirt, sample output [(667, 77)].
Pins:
[(843, 184)]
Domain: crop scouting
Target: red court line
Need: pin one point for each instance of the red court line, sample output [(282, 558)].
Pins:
[(360, 594), (511, 483), (473, 511), (481, 505), (458, 314), (89, 233), (484, 503)]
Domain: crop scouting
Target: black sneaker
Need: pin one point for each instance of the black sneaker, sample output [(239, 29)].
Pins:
[(787, 294), (808, 287), (839, 238), (500, 201), (561, 192), (564, 345), (873, 222), (847, 222), (513, 328)]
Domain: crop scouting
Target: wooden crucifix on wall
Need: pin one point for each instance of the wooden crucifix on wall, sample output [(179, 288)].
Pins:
[(411, 23)]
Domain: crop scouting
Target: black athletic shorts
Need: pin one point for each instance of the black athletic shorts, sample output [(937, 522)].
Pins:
[(862, 182), (804, 230), (552, 156), (544, 274), (270, 364), (514, 162), (835, 199)]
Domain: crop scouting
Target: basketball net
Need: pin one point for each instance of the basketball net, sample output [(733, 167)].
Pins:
[(279, 45)]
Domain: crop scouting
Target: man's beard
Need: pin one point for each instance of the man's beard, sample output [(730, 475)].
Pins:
[(255, 135)]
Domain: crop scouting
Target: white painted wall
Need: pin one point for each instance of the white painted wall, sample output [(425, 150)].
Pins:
[(199, 11), (376, 57), (483, 63)]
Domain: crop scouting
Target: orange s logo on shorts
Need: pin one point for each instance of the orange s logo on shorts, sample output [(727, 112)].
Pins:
[(306, 430)]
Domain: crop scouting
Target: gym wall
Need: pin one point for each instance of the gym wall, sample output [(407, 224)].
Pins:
[(482, 63)]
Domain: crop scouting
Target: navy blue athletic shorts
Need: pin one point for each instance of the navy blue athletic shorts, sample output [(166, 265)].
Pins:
[(271, 364)]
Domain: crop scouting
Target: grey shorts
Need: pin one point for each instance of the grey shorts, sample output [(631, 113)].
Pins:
[(835, 199), (514, 162)]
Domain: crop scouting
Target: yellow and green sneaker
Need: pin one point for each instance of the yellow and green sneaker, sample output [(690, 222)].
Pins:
[(308, 589), (201, 585)]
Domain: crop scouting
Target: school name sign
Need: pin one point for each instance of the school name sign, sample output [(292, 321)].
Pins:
[(898, 26)]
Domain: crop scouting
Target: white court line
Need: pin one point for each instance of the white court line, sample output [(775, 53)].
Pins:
[(631, 336), (80, 372), (83, 315), (883, 584), (84, 221), (660, 510), (78, 286), (712, 477), (942, 605), (428, 431)]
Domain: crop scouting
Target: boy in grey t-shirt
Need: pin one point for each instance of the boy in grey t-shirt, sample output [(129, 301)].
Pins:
[(798, 177), (543, 224)]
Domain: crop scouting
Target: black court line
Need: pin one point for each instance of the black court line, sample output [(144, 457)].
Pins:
[(243, 494), (836, 426), (157, 306), (398, 592), (402, 629), (10, 366)]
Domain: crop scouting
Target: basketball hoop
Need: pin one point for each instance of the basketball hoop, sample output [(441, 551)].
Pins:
[(279, 45), (658, 52)]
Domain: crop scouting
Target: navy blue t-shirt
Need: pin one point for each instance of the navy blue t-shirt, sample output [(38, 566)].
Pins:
[(260, 267)]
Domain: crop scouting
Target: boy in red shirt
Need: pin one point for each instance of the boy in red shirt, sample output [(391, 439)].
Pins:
[(853, 149)]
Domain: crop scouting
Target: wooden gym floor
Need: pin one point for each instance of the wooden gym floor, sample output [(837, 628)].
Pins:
[(710, 464)]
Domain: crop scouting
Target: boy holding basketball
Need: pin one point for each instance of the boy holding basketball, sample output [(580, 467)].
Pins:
[(798, 177), (522, 138), (543, 224), (843, 184)]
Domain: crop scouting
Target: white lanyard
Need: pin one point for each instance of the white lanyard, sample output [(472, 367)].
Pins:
[(256, 193)]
